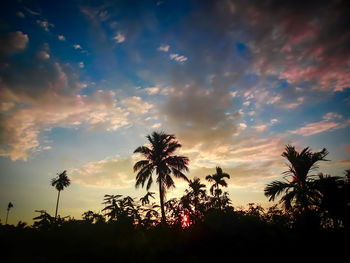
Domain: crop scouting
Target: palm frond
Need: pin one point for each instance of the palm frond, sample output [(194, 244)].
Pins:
[(178, 174), (140, 164), (274, 189), (144, 150)]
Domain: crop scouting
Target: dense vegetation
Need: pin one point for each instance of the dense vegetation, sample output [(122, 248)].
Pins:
[(201, 226)]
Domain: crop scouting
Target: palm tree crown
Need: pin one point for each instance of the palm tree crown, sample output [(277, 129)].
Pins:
[(159, 158), (60, 182), (298, 189), (9, 206), (218, 180)]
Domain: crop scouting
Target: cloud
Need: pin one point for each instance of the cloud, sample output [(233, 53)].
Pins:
[(304, 44), (119, 37), (46, 96), (136, 105), (344, 162), (164, 48), (30, 11), (77, 46), (42, 54), (20, 14), (12, 43), (22, 127), (330, 122), (273, 121), (95, 13), (61, 38), (199, 117), (112, 172), (44, 24), (178, 58), (260, 128), (152, 90)]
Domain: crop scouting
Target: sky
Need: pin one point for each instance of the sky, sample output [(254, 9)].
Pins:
[(83, 82)]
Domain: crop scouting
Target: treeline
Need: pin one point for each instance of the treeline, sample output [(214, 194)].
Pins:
[(312, 218), (200, 226)]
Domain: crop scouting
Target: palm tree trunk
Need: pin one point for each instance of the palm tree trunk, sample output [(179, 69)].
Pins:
[(161, 193), (58, 199), (7, 215)]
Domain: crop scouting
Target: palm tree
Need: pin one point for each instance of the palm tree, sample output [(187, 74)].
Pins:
[(60, 182), (145, 199), (9, 206), (159, 158), (218, 180), (299, 189), (196, 188)]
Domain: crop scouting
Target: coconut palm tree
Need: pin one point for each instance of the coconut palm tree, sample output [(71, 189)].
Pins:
[(9, 206), (218, 180), (60, 182), (159, 158), (298, 189)]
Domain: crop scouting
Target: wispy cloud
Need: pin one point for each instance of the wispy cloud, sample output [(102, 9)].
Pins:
[(45, 24), (119, 37), (178, 58), (77, 46), (331, 121), (61, 37), (111, 172), (164, 48)]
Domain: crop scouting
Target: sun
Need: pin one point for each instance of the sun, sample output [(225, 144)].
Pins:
[(185, 221)]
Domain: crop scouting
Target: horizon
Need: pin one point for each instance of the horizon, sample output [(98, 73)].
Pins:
[(82, 83)]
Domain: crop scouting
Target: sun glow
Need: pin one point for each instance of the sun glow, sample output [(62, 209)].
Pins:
[(185, 222)]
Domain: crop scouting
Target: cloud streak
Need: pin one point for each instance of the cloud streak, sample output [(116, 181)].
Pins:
[(327, 124)]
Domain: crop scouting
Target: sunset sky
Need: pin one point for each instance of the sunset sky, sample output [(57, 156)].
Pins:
[(83, 82)]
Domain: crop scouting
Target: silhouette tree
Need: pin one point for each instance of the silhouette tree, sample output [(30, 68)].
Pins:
[(112, 206), (88, 216), (44, 221), (121, 208), (218, 180), (299, 189), (159, 158), (333, 199), (145, 199), (60, 182), (9, 206), (195, 198)]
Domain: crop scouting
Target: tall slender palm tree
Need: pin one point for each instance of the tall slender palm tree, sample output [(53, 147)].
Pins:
[(299, 188), (159, 158), (9, 206), (218, 180), (60, 182)]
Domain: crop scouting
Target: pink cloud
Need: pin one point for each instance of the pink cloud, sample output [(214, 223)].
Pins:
[(330, 122)]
